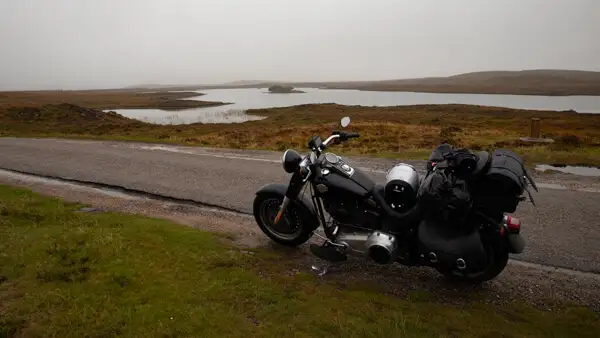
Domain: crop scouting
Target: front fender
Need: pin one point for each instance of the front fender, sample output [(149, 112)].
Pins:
[(303, 203)]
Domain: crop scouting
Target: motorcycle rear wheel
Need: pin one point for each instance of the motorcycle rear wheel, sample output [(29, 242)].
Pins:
[(497, 261), (291, 230)]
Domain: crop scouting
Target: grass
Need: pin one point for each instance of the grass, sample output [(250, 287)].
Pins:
[(73, 274), (407, 132)]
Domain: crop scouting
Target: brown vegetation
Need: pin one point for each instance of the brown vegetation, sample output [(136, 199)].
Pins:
[(104, 99), (399, 132)]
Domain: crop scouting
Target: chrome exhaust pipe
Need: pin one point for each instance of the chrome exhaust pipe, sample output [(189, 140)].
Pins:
[(354, 241), (382, 248)]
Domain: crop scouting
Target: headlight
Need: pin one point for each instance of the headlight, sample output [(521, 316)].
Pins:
[(290, 160)]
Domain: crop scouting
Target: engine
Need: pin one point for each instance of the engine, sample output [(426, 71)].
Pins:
[(401, 187), (380, 247), (349, 210)]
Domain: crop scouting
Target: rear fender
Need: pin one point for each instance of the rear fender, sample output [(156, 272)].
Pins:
[(303, 203), (511, 232), (514, 242)]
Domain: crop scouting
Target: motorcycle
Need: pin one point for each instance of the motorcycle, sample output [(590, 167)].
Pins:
[(398, 222)]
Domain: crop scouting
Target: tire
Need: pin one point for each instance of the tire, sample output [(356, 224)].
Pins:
[(296, 223), (497, 261)]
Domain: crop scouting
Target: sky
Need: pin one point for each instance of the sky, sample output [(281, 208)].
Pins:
[(76, 44)]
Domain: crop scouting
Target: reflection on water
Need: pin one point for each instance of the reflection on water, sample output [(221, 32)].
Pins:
[(187, 116), (575, 170)]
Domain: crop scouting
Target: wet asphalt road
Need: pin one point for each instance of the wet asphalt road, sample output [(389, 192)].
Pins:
[(563, 230)]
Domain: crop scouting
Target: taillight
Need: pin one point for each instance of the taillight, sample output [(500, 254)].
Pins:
[(512, 224)]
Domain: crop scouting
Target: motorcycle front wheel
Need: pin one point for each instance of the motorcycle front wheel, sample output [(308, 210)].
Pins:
[(291, 230)]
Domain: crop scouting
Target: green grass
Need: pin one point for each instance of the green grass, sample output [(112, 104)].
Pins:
[(71, 274)]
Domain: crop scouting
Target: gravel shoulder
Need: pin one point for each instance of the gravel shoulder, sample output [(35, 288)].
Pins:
[(540, 286)]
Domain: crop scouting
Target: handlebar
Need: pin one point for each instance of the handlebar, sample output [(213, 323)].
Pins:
[(342, 135), (328, 140), (339, 136), (318, 147)]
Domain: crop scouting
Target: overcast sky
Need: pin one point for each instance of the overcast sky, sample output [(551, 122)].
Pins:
[(74, 44)]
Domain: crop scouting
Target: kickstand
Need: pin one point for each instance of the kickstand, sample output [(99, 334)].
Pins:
[(321, 271), (329, 253)]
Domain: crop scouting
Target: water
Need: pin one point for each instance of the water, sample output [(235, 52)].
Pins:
[(254, 98), (575, 170), (259, 98)]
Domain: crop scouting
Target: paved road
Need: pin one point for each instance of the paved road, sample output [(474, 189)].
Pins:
[(564, 229)]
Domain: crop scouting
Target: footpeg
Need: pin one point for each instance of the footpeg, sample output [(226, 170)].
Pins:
[(328, 253)]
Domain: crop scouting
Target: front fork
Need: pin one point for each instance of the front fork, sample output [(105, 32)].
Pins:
[(296, 184), (282, 207)]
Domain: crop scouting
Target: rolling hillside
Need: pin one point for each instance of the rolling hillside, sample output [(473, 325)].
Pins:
[(527, 82)]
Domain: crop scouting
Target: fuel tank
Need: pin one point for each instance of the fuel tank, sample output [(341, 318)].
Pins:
[(345, 192), (338, 174), (359, 184)]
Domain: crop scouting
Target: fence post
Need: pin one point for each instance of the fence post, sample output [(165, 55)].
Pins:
[(535, 127)]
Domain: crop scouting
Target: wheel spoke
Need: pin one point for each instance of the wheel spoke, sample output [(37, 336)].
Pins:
[(288, 226)]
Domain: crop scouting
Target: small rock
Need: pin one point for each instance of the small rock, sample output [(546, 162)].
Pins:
[(88, 210), (253, 320)]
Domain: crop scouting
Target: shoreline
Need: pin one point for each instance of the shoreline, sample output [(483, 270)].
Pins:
[(593, 93), (205, 104)]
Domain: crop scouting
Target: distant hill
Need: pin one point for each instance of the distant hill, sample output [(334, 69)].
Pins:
[(527, 82), (246, 83), (548, 82)]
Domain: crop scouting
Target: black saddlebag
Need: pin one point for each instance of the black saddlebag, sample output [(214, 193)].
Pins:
[(501, 186), (449, 244)]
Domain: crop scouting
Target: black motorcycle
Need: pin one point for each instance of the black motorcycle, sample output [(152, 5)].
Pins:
[(453, 219)]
